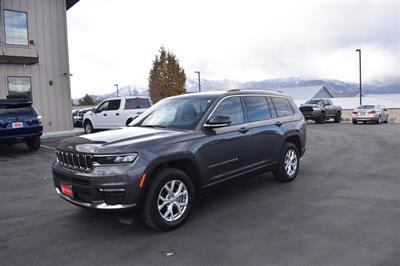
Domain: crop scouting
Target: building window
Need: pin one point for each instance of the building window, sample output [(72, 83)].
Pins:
[(16, 27), (19, 87)]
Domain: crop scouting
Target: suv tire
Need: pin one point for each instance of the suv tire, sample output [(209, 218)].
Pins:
[(289, 164), (321, 119), (170, 193), (354, 122), (33, 144), (338, 117), (88, 127)]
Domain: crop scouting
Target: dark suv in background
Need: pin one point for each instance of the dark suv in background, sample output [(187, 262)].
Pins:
[(20, 122), (178, 147)]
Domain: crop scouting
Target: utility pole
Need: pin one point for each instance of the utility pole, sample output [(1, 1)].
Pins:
[(359, 60), (198, 74), (116, 85)]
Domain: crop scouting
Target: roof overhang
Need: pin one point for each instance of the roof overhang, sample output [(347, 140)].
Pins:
[(19, 60), (70, 3)]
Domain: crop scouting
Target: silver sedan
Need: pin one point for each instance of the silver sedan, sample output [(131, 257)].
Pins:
[(370, 113)]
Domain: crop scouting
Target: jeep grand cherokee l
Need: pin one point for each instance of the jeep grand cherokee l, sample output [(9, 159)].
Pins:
[(178, 147)]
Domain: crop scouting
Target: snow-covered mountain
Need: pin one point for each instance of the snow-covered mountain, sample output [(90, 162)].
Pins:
[(382, 86)]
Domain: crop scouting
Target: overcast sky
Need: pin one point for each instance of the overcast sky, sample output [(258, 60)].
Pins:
[(116, 41)]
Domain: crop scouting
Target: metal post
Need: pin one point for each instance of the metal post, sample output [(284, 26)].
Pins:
[(359, 61), (116, 85), (198, 74)]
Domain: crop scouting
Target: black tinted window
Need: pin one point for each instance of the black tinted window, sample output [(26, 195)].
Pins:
[(138, 103), (16, 110), (231, 107), (114, 105), (282, 106), (257, 108)]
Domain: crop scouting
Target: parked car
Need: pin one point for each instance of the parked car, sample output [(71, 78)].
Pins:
[(20, 122), (370, 113), (114, 113), (321, 109), (178, 147), (77, 116)]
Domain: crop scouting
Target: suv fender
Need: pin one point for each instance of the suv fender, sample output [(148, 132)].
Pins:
[(182, 161)]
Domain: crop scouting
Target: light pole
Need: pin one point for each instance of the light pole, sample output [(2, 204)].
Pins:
[(359, 60), (116, 85), (198, 74)]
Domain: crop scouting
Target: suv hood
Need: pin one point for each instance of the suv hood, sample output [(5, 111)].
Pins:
[(310, 105), (126, 139)]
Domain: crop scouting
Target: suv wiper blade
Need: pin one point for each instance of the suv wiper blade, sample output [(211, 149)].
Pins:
[(154, 126)]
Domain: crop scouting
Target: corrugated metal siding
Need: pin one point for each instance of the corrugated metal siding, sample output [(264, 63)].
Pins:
[(47, 28)]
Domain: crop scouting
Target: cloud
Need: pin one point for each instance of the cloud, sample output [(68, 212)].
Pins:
[(115, 41)]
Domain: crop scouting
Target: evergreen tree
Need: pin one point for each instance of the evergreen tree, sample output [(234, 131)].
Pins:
[(86, 100), (166, 78)]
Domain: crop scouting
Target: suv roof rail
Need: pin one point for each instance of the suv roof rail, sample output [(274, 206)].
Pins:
[(263, 90)]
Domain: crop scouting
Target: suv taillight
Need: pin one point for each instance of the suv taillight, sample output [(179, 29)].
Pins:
[(372, 112), (354, 112), (39, 118)]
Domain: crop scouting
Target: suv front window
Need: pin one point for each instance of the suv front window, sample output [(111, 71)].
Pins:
[(231, 107), (179, 113), (102, 107)]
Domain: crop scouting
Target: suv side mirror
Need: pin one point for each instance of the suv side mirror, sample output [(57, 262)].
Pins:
[(94, 110), (384, 109), (218, 121)]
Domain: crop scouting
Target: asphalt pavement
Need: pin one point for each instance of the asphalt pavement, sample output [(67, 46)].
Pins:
[(343, 209)]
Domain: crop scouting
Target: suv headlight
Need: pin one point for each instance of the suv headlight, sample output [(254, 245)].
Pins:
[(115, 159)]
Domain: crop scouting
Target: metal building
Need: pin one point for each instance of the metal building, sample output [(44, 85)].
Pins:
[(34, 57)]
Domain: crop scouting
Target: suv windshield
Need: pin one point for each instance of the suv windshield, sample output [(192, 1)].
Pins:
[(366, 107), (179, 113), (318, 102)]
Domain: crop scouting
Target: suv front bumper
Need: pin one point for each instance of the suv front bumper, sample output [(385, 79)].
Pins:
[(105, 188), (96, 204)]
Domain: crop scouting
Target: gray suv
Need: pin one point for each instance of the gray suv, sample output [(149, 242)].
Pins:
[(178, 147)]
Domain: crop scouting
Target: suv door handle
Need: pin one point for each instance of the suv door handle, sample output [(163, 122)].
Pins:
[(105, 114), (117, 114), (278, 124), (243, 130)]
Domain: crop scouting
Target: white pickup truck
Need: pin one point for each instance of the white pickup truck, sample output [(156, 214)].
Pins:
[(114, 113)]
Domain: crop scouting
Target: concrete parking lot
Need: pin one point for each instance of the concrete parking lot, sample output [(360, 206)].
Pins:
[(343, 209)]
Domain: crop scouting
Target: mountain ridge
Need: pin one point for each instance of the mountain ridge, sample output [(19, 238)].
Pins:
[(383, 86)]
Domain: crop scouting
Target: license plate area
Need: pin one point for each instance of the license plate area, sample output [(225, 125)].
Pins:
[(17, 125), (67, 190)]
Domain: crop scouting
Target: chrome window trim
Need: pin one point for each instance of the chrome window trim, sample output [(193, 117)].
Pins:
[(242, 95)]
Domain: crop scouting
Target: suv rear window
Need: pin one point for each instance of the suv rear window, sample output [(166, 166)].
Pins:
[(15, 110), (257, 108), (139, 103), (282, 106)]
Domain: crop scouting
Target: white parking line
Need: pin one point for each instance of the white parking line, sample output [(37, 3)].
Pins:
[(48, 147)]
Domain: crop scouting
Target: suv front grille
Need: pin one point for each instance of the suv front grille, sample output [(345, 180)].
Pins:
[(306, 109), (77, 161)]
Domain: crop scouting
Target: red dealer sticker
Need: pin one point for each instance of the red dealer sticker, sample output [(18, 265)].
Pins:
[(67, 190), (17, 125)]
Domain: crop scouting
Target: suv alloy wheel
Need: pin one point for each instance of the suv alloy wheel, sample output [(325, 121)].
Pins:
[(88, 127), (289, 164), (169, 199)]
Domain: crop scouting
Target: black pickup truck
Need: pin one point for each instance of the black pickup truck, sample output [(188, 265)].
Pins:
[(320, 110)]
